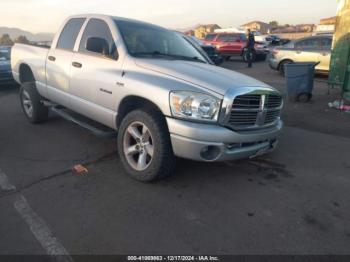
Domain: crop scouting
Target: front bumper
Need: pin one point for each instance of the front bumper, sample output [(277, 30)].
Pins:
[(6, 78), (262, 51), (211, 143), (273, 63)]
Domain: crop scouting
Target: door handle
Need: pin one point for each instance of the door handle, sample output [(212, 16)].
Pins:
[(52, 58), (77, 65)]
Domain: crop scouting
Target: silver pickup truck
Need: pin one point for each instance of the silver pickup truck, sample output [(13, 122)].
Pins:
[(153, 88)]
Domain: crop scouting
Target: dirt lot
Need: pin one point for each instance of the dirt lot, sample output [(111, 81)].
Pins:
[(293, 201)]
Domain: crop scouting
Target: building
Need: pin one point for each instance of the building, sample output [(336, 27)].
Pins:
[(294, 32), (201, 31), (326, 26), (189, 32), (328, 21), (262, 27), (303, 28)]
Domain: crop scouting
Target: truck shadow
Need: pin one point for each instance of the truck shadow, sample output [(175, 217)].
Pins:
[(260, 171)]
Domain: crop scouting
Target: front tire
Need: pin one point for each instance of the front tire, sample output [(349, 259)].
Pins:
[(31, 104), (282, 66), (144, 146)]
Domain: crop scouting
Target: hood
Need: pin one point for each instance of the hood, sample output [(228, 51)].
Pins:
[(216, 79), (5, 65)]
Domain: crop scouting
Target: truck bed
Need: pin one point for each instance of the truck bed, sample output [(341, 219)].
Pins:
[(35, 57)]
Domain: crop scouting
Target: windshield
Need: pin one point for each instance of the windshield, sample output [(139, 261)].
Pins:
[(4, 55), (198, 42), (144, 40)]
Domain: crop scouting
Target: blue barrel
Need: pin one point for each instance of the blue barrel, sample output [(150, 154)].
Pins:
[(300, 80)]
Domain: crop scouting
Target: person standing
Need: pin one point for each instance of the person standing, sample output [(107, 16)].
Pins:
[(250, 48)]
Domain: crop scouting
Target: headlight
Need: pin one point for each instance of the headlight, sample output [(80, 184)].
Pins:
[(195, 106)]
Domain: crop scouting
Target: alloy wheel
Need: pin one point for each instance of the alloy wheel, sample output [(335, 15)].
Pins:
[(138, 146), (27, 103)]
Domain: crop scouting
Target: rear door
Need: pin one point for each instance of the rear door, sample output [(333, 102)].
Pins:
[(230, 44), (95, 76), (307, 50), (325, 44), (58, 64)]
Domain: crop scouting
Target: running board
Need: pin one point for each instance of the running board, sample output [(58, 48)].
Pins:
[(110, 133)]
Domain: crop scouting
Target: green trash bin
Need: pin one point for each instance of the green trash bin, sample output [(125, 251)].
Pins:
[(300, 81)]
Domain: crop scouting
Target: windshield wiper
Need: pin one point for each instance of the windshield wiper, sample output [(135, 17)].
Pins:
[(171, 56), (195, 59)]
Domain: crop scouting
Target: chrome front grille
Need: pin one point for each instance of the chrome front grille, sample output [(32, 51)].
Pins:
[(274, 101), (271, 116), (254, 111), (241, 118), (247, 102)]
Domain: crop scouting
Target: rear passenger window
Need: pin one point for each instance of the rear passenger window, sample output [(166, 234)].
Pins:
[(228, 38), (325, 43), (210, 37), (70, 33), (243, 37), (98, 29)]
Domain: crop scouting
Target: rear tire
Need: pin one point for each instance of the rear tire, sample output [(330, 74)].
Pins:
[(31, 104), (144, 146)]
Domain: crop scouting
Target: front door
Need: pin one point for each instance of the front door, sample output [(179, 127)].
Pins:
[(307, 51), (95, 75)]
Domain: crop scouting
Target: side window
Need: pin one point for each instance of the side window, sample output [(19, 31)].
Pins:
[(325, 43), (223, 38), (232, 38), (228, 38), (307, 43), (98, 29), (70, 33), (210, 37), (243, 37)]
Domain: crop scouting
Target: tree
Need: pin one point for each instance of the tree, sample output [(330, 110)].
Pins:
[(6, 40), (274, 24), (22, 40)]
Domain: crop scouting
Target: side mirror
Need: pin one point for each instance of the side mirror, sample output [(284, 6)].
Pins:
[(97, 45), (218, 60)]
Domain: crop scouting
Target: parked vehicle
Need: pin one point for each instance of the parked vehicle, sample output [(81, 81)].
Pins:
[(154, 88), (284, 41), (209, 50), (5, 66), (234, 44), (310, 49)]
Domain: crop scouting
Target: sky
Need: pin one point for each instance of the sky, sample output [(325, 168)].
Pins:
[(47, 15)]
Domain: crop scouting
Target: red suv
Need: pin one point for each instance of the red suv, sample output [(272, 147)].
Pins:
[(233, 44)]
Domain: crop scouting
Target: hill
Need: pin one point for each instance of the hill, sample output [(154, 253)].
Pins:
[(15, 32)]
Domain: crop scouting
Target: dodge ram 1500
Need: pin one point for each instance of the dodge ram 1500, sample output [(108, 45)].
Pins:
[(153, 88)]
